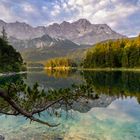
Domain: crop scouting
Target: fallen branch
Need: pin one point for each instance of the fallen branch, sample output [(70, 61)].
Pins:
[(23, 112)]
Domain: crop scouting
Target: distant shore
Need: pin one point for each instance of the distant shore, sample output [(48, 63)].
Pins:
[(94, 69), (87, 69), (110, 69)]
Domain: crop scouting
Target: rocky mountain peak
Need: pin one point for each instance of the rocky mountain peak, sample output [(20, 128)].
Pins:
[(46, 37), (2, 22), (82, 22), (65, 23), (54, 25), (80, 31), (20, 24)]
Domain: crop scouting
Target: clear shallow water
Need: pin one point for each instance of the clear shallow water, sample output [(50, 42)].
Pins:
[(114, 116)]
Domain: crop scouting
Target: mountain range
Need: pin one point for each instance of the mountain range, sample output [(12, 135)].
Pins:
[(80, 31), (45, 47), (44, 42)]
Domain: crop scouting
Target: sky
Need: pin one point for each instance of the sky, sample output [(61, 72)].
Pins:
[(121, 15)]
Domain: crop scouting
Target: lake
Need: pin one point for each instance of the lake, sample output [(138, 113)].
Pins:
[(114, 115)]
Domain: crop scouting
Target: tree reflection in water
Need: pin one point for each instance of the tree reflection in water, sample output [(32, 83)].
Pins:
[(100, 89), (20, 99), (62, 73), (120, 84)]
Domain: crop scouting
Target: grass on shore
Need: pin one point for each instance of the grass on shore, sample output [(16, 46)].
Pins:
[(110, 69)]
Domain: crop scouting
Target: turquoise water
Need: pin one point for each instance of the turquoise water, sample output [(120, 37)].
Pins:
[(114, 116)]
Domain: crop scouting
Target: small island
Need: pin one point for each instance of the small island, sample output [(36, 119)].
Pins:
[(61, 63)]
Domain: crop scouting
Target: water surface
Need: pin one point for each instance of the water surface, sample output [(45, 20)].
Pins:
[(115, 115)]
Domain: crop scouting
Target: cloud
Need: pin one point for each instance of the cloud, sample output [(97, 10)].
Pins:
[(104, 11), (44, 8), (5, 13), (28, 8), (56, 10), (120, 15)]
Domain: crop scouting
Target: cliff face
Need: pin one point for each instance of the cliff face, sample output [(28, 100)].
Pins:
[(81, 31)]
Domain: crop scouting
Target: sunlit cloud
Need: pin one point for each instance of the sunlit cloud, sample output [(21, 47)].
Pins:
[(119, 15)]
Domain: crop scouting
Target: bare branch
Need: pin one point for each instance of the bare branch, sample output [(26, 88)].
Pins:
[(20, 110), (46, 107)]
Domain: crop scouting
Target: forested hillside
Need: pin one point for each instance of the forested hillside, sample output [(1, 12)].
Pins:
[(10, 59), (114, 54)]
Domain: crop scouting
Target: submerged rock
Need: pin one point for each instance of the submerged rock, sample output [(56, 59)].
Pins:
[(2, 137)]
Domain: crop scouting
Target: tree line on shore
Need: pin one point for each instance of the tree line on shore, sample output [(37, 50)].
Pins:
[(114, 54), (121, 53)]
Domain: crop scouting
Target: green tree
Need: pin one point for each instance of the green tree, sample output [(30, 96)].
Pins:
[(118, 53), (10, 59), (4, 34)]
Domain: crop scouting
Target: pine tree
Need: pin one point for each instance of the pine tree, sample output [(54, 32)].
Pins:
[(125, 59), (4, 34)]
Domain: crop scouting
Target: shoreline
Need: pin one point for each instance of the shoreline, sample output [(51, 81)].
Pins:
[(94, 69), (58, 68), (73, 68), (110, 69), (12, 73)]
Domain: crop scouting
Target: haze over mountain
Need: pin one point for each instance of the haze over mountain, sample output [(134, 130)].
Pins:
[(81, 31), (45, 47), (42, 42)]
